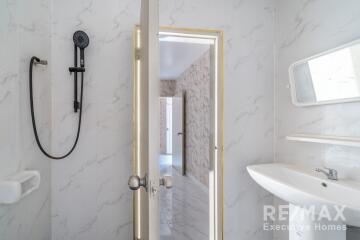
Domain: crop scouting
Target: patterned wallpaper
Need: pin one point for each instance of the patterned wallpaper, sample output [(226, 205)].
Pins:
[(195, 81), (167, 88)]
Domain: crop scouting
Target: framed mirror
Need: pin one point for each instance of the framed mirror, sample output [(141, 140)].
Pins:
[(329, 77)]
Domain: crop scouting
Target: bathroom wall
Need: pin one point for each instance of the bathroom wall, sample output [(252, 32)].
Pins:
[(24, 32), (90, 198), (305, 28), (248, 33), (195, 83)]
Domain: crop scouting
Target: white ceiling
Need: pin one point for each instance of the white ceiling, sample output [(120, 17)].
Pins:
[(176, 57)]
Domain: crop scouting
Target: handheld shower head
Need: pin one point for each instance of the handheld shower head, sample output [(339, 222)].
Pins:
[(81, 39)]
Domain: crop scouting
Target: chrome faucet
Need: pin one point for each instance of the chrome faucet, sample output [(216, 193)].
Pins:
[(330, 174)]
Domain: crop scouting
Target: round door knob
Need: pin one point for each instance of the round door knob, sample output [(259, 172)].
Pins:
[(135, 182), (166, 181)]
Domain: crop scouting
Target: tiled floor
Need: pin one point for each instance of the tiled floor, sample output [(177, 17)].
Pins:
[(184, 209)]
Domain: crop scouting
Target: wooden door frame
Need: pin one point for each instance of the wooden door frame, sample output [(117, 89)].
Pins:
[(216, 189)]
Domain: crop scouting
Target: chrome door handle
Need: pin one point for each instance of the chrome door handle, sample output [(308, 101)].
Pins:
[(179, 133), (135, 182), (166, 181)]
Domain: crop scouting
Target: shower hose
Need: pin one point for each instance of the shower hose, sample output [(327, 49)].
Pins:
[(35, 60)]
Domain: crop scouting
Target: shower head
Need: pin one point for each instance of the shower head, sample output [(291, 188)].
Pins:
[(81, 39)]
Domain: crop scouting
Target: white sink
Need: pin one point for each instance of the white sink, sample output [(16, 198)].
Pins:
[(305, 187)]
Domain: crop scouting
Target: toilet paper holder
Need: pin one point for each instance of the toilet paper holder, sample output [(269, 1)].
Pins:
[(17, 186)]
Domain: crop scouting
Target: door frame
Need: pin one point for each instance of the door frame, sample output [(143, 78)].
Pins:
[(216, 180), (182, 168)]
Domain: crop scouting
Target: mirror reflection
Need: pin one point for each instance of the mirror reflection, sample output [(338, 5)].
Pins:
[(185, 108), (330, 77)]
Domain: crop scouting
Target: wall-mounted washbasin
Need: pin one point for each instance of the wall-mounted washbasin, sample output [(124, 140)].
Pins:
[(305, 187)]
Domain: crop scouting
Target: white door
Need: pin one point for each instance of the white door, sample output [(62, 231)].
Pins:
[(145, 179), (168, 125), (178, 134)]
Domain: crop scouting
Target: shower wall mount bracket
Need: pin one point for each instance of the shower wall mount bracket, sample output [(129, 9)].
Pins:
[(76, 69)]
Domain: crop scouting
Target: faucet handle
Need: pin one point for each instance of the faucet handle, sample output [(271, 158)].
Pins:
[(331, 170), (322, 169), (326, 168), (331, 174)]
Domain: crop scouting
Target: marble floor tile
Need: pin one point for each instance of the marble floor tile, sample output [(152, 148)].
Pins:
[(184, 209)]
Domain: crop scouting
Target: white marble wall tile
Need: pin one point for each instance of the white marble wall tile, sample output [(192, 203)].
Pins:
[(9, 75), (24, 32), (90, 197), (248, 30), (305, 28)]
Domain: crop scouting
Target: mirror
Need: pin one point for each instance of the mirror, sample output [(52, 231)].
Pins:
[(329, 77)]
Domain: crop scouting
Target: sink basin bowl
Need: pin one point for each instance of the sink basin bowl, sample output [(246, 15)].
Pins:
[(305, 187)]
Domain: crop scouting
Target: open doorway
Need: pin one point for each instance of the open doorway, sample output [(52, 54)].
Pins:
[(191, 198), (166, 124), (185, 112)]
